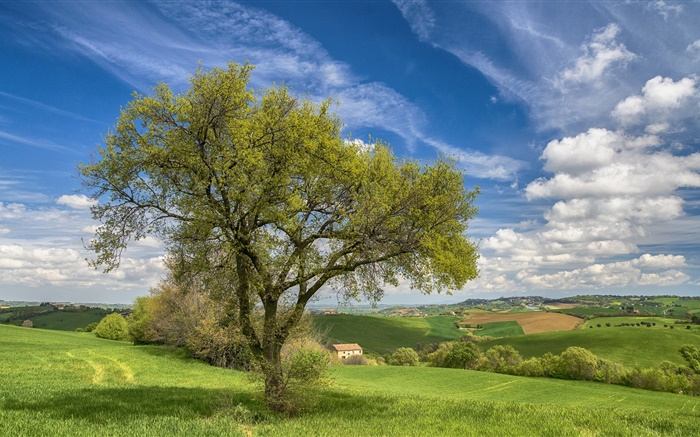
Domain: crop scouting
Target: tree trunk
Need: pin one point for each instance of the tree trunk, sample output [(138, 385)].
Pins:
[(275, 385)]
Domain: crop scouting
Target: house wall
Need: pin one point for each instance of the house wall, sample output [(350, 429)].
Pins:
[(344, 354)]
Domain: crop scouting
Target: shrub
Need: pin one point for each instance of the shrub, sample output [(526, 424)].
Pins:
[(404, 356), (139, 321), (578, 363), (462, 355), (91, 327), (691, 354), (437, 358), (552, 365), (113, 327), (501, 359), (28, 324), (530, 367), (306, 366), (355, 360), (219, 345), (608, 372)]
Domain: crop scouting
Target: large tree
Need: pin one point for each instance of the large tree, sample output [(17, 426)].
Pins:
[(259, 197)]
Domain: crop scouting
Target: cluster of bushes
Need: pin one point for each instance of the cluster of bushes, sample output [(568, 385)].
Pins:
[(574, 363)]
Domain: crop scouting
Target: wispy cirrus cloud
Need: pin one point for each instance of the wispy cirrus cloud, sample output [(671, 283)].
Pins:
[(216, 32), (47, 108), (14, 139), (601, 54)]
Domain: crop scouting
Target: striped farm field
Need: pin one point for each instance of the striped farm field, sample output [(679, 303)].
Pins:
[(532, 322)]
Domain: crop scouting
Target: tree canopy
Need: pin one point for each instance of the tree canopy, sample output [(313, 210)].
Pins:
[(261, 200)]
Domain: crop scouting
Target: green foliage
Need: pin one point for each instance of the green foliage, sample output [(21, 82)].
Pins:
[(355, 360), (578, 363), (462, 355), (113, 327), (501, 359), (691, 354), (139, 320), (404, 356), (91, 327), (307, 367)]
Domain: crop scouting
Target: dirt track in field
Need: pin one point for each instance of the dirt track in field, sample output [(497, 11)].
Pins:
[(532, 323)]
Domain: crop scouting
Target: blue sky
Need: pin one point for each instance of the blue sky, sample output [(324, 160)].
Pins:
[(578, 121)]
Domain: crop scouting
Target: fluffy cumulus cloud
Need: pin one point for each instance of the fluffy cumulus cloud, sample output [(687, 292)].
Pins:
[(76, 201), (615, 274), (41, 248), (660, 98), (609, 188), (602, 163), (66, 267)]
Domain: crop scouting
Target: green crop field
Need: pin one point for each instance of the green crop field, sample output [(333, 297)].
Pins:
[(501, 329), (68, 320), (73, 384), (630, 346), (590, 311), (384, 335)]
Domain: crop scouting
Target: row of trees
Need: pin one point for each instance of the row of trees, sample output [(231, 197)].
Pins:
[(574, 363)]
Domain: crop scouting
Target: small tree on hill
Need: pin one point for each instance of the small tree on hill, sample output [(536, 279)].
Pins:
[(261, 199), (404, 356), (578, 363), (113, 327), (462, 355)]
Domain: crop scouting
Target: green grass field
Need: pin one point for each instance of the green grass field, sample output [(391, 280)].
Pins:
[(630, 346), (384, 335), (501, 329), (72, 384), (69, 321)]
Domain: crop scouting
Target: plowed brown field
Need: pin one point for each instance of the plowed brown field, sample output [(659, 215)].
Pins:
[(532, 323)]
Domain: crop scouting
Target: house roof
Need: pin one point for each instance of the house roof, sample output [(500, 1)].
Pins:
[(347, 347)]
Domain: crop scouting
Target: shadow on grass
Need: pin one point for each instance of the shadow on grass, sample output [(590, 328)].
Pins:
[(138, 403)]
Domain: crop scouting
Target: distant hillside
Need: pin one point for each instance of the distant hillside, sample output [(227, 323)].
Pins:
[(627, 345), (384, 335)]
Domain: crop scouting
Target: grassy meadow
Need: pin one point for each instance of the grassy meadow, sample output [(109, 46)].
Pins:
[(383, 335), (68, 321), (73, 384), (627, 345)]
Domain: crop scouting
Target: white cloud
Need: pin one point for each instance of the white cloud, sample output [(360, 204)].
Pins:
[(66, 267), (694, 48), (659, 96), (616, 274), (419, 16), (600, 54), (44, 250), (619, 165), (38, 143), (665, 9), (76, 201)]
